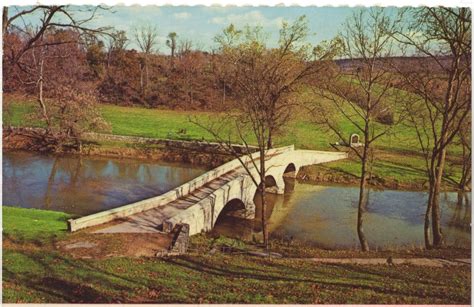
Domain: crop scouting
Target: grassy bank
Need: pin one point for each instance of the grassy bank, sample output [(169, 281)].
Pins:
[(392, 171), (36, 272), (399, 161), (31, 225)]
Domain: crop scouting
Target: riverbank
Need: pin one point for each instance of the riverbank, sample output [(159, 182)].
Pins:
[(334, 173), (398, 164), (345, 172), (127, 147), (35, 271)]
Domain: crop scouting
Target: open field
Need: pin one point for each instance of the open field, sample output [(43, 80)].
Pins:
[(159, 123), (34, 271), (399, 159)]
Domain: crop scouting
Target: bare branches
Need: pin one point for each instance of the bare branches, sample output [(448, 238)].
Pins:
[(51, 17), (264, 84), (146, 37), (362, 95), (442, 84)]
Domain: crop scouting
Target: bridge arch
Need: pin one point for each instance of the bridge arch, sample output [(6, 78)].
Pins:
[(270, 181), (290, 171), (274, 184), (234, 207)]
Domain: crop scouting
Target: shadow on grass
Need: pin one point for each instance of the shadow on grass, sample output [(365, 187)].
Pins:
[(66, 280), (54, 278), (330, 280)]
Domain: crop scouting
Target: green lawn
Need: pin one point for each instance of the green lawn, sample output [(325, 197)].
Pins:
[(40, 274), (24, 224), (159, 123)]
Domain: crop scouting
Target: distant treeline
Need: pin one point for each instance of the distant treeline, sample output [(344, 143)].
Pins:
[(188, 79)]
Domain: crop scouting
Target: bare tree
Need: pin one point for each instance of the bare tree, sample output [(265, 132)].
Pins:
[(37, 72), (265, 84), (60, 16), (465, 140), (362, 94), (185, 46), (41, 43), (117, 42), (441, 83), (171, 43), (146, 37)]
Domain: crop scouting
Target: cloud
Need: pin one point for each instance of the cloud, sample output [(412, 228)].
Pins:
[(182, 15), (251, 18), (216, 8)]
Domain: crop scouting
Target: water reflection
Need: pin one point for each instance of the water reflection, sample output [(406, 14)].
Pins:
[(85, 185), (326, 216)]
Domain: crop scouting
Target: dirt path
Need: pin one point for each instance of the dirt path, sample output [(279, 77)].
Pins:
[(430, 262), (99, 245)]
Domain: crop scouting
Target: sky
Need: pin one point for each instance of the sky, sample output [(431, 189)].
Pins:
[(201, 24)]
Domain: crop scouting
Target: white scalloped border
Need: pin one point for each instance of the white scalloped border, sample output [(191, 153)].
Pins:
[(252, 3)]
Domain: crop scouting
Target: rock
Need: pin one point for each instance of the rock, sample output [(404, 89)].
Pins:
[(80, 244), (212, 251)]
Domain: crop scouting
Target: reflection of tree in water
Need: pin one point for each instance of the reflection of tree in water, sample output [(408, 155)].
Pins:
[(461, 217), (12, 180), (72, 187), (77, 171), (49, 187)]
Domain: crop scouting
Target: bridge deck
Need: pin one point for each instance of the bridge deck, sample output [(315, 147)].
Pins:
[(150, 221)]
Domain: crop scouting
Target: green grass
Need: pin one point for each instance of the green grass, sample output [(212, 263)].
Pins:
[(49, 277), (152, 122), (17, 113), (43, 275), (33, 224), (157, 123)]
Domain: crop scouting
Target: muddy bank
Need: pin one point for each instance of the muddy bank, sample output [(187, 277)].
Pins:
[(157, 154), (169, 152)]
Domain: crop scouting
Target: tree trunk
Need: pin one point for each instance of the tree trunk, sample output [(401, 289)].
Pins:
[(361, 206), (40, 94), (262, 196), (5, 20), (145, 88), (466, 168), (172, 57), (435, 210), (146, 77), (270, 142), (142, 88), (427, 220), (364, 178)]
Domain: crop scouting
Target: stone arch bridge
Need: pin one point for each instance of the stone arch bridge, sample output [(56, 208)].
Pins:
[(199, 202)]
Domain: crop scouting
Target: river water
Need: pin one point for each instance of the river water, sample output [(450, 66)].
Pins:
[(323, 216), (85, 185), (326, 216)]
